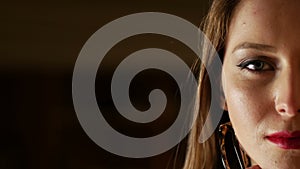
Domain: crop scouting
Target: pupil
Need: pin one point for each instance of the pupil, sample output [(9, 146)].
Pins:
[(258, 65)]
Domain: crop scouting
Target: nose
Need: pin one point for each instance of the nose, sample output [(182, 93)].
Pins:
[(287, 95)]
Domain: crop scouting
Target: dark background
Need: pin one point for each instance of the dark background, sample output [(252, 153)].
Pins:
[(39, 44)]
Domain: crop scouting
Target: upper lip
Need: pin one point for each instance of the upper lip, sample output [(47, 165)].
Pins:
[(285, 134)]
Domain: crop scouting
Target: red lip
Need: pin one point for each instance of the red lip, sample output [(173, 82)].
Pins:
[(285, 139)]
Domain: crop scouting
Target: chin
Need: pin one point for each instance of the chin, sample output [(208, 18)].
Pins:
[(282, 166), (286, 162)]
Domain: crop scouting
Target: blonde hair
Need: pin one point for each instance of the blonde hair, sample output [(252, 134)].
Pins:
[(215, 27)]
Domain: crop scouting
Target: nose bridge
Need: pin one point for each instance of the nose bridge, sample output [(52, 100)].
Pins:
[(288, 91)]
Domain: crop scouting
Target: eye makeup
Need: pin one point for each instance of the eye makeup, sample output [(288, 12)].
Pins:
[(255, 65)]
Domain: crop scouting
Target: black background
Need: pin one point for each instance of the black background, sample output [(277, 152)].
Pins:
[(40, 41)]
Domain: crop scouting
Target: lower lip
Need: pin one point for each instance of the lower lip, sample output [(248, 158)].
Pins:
[(286, 142)]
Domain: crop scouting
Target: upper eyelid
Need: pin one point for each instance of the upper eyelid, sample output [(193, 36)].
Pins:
[(248, 62), (244, 54), (272, 62), (245, 64)]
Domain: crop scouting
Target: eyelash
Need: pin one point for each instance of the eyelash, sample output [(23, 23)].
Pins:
[(263, 64)]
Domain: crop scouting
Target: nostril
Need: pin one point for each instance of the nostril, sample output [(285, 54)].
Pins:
[(287, 106), (281, 108), (285, 110), (281, 111)]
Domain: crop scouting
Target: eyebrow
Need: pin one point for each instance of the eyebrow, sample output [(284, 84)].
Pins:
[(249, 45)]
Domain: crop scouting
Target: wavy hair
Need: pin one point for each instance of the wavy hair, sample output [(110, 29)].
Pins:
[(215, 26)]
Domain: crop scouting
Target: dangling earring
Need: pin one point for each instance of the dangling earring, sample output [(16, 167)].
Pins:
[(233, 157)]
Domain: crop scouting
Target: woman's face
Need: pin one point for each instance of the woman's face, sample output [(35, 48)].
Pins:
[(261, 80)]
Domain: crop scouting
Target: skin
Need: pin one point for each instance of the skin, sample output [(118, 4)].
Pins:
[(264, 98)]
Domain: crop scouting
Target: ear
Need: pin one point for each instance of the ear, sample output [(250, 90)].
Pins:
[(223, 101), (225, 106)]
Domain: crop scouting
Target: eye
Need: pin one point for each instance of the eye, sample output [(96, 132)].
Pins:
[(256, 65)]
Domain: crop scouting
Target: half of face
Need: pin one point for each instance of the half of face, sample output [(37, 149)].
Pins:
[(261, 80)]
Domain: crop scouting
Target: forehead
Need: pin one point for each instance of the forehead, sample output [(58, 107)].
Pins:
[(267, 21)]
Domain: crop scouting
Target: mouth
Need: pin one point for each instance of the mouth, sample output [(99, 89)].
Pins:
[(285, 139)]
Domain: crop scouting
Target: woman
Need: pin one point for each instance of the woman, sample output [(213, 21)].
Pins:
[(259, 44)]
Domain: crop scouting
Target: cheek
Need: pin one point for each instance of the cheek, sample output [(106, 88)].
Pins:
[(247, 107), (246, 103)]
